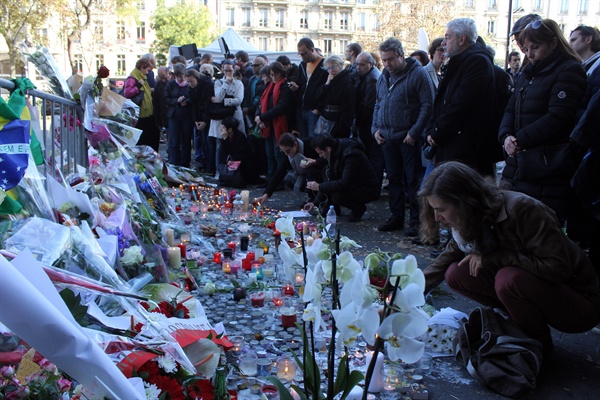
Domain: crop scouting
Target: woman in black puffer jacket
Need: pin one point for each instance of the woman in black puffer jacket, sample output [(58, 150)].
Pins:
[(336, 99), (541, 115)]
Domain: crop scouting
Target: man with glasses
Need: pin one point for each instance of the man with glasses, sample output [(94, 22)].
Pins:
[(311, 78), (585, 40), (464, 113), (402, 108)]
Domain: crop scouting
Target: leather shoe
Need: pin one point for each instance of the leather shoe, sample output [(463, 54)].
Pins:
[(356, 215), (412, 231), (392, 224)]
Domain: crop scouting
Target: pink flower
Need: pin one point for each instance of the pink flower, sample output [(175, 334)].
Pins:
[(63, 384)]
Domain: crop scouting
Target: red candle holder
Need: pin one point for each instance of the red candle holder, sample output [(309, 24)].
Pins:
[(217, 258), (232, 246), (288, 289), (250, 256), (288, 320), (246, 264)]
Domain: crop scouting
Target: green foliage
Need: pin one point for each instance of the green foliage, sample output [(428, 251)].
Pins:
[(182, 24), (73, 302)]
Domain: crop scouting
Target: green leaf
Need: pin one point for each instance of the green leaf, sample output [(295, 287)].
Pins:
[(73, 302), (300, 392), (342, 375), (353, 380), (284, 394)]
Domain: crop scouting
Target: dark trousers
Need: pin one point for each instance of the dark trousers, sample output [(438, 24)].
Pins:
[(200, 145), (374, 154), (404, 171), (150, 134), (533, 303), (354, 200), (179, 138)]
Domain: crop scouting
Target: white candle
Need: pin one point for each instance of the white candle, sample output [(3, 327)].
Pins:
[(170, 233), (174, 257), (376, 379), (245, 199)]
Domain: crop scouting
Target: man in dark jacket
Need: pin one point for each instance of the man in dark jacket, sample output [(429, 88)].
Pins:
[(349, 179), (311, 77), (365, 104), (242, 60), (464, 112), (402, 109)]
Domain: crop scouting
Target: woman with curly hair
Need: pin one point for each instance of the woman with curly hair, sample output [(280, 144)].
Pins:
[(508, 251)]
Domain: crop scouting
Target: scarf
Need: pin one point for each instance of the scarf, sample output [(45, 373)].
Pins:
[(146, 107), (280, 127)]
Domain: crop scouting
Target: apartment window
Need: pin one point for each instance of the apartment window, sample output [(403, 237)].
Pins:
[(537, 5), (360, 2), (562, 27), (279, 14), (141, 5), (327, 46), (247, 15), (344, 18), (99, 61), (361, 22), (492, 5), (121, 66), (582, 9), (230, 15), (262, 43), (343, 45), (78, 61), (328, 20), (263, 13), (278, 44), (141, 31), (98, 31), (304, 19), (120, 30), (516, 5), (491, 28), (564, 7), (469, 3)]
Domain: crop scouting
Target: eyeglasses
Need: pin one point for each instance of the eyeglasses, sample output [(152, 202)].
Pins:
[(331, 68), (257, 65), (227, 70), (286, 151), (537, 24)]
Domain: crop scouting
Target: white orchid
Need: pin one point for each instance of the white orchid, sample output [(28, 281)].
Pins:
[(346, 265), (290, 257), (312, 312), (312, 285), (347, 244), (286, 227), (408, 272)]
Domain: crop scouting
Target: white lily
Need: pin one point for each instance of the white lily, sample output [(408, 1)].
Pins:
[(408, 271), (286, 227)]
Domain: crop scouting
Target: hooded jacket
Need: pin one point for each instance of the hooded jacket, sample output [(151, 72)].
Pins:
[(308, 89)]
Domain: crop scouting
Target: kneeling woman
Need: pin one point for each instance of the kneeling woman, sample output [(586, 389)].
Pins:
[(235, 147), (508, 251)]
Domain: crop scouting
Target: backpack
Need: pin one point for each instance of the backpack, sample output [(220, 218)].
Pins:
[(498, 353)]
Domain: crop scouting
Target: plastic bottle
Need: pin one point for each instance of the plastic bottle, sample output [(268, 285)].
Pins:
[(331, 219)]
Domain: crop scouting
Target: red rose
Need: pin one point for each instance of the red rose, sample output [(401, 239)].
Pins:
[(103, 72)]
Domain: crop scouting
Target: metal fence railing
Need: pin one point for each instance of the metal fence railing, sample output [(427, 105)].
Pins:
[(63, 138)]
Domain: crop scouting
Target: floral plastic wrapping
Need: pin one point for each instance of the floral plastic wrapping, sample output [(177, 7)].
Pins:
[(31, 192), (127, 135), (47, 67), (46, 239)]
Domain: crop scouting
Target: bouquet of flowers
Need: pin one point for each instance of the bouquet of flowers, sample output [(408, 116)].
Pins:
[(47, 67)]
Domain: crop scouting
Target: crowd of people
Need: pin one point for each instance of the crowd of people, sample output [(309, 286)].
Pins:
[(436, 123)]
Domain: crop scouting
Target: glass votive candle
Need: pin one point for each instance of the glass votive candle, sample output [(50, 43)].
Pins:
[(246, 264), (232, 246), (425, 363), (264, 366), (238, 345), (288, 289), (226, 266), (288, 316), (244, 241), (259, 252), (248, 364), (250, 256), (228, 253), (217, 258), (268, 271), (257, 299), (194, 208), (235, 266), (277, 297), (299, 277), (257, 269)]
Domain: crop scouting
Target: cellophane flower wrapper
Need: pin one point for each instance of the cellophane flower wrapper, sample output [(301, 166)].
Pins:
[(443, 326), (40, 317), (61, 195), (152, 192), (46, 239), (47, 67), (104, 143), (127, 135), (31, 193)]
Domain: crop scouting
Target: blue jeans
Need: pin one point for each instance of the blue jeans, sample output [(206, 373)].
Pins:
[(404, 169), (200, 145), (307, 123), (179, 138)]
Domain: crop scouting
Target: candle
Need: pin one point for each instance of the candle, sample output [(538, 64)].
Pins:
[(170, 233), (305, 228), (232, 246), (288, 316), (217, 258), (226, 266), (252, 277), (266, 249), (235, 266), (257, 269), (257, 299), (268, 272), (246, 264), (244, 240), (194, 208), (299, 277), (250, 256), (245, 199), (182, 249), (288, 289), (286, 368), (185, 238), (174, 257), (259, 252), (376, 379)]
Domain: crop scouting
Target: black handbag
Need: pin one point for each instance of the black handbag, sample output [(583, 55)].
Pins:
[(498, 353), (548, 161), (219, 111), (230, 178), (138, 98)]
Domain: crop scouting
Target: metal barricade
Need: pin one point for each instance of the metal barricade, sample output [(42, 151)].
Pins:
[(63, 137)]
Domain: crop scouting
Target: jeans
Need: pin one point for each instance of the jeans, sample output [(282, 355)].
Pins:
[(403, 165), (179, 138), (200, 145), (307, 123)]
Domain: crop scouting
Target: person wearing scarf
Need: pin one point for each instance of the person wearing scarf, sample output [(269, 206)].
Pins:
[(136, 82), (276, 107)]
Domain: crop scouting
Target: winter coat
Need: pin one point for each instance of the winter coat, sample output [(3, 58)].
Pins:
[(337, 101), (277, 104), (349, 170), (306, 95), (366, 95), (235, 89), (405, 107), (528, 236), (200, 96), (464, 110), (132, 87), (237, 148), (173, 92), (548, 94)]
